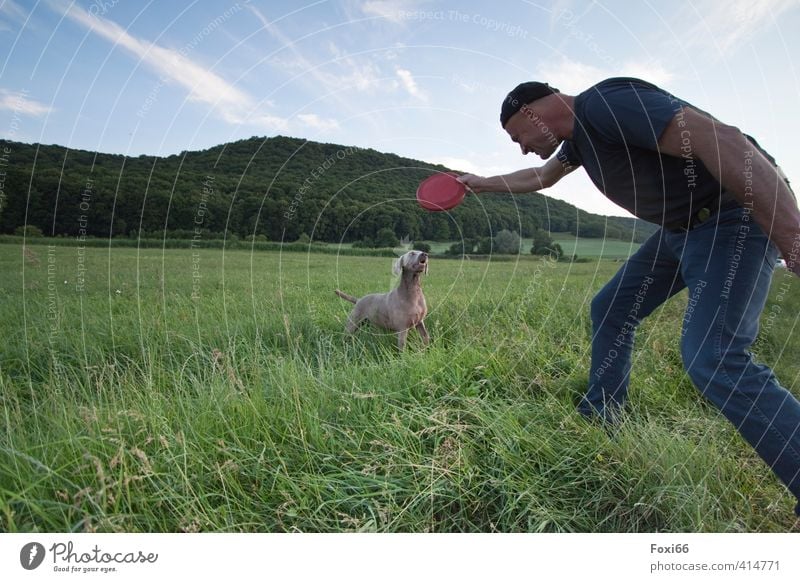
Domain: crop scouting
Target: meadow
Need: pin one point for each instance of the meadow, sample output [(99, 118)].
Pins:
[(208, 390)]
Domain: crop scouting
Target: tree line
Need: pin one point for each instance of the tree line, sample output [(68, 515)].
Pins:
[(274, 189)]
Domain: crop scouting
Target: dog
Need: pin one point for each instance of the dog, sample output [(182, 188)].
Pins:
[(398, 310)]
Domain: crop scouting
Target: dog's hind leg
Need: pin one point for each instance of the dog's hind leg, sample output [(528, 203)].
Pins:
[(352, 324), (355, 319)]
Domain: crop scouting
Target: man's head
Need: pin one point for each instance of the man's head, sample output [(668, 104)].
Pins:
[(522, 95), (524, 115)]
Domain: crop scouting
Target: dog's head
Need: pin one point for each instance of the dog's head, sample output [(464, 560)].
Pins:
[(415, 261)]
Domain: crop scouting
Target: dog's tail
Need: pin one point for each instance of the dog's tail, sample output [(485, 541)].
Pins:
[(345, 296)]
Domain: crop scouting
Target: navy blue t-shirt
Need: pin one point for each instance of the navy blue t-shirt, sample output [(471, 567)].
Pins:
[(618, 123)]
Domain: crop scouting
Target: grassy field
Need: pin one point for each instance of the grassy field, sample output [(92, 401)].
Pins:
[(200, 391), (593, 248)]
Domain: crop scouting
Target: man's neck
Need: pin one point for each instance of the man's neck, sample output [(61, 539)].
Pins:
[(565, 122)]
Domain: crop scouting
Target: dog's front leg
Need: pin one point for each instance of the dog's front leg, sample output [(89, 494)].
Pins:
[(401, 339), (423, 332)]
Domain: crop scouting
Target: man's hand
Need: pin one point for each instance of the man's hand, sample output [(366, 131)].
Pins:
[(792, 257), (472, 182)]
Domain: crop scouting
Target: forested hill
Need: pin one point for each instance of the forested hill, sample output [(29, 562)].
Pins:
[(279, 187)]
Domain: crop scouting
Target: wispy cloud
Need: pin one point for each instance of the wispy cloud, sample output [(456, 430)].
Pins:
[(728, 24), (392, 10), (204, 86), (410, 85), (11, 12), (19, 102), (332, 79), (353, 74), (314, 121)]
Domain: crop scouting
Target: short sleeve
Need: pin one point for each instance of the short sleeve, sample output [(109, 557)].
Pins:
[(568, 156), (630, 113)]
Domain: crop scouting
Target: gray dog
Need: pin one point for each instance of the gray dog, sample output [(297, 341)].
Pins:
[(399, 310)]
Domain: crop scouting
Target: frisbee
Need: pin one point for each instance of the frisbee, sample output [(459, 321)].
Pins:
[(440, 192)]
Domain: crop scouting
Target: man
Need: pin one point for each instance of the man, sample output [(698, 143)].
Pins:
[(725, 211)]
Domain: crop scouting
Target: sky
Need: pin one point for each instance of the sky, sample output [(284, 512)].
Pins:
[(422, 79)]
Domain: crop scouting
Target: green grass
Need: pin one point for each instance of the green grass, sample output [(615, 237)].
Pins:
[(595, 248), (129, 405)]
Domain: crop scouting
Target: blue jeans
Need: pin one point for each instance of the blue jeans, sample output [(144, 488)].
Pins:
[(726, 263)]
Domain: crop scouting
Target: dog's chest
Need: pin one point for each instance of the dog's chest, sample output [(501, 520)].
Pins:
[(417, 309)]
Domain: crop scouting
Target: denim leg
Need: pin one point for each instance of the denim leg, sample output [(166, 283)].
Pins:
[(728, 270), (647, 279)]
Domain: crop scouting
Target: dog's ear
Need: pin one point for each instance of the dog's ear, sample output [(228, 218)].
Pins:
[(425, 270), (397, 266)]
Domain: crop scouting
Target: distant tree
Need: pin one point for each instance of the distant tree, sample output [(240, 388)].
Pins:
[(421, 246), (543, 245), (366, 243), (303, 238), (386, 238), (592, 229), (221, 190), (437, 227), (484, 246), (507, 242), (467, 247), (455, 250), (29, 231)]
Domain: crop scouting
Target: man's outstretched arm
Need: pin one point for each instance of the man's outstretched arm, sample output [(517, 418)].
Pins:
[(528, 180)]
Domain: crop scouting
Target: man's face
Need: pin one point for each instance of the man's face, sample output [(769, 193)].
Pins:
[(528, 129)]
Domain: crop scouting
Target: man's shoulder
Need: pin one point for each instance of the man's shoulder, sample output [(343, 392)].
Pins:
[(623, 95), (619, 84), (626, 110)]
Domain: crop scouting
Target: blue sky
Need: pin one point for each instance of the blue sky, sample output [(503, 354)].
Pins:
[(423, 79)]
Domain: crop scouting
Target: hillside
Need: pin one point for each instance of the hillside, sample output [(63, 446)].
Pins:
[(278, 187)]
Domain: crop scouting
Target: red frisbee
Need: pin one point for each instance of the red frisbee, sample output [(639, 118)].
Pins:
[(440, 192)]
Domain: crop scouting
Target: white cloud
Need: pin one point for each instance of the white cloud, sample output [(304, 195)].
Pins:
[(572, 76), (204, 86), (410, 85), (268, 122), (313, 121), (652, 71), (20, 103), (462, 165)]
